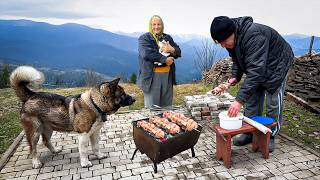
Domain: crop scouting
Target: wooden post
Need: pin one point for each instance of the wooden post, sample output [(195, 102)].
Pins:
[(311, 44)]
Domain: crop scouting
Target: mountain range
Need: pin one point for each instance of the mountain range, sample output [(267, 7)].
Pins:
[(70, 47)]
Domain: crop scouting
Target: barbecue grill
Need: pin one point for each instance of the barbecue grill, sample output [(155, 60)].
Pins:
[(159, 150)]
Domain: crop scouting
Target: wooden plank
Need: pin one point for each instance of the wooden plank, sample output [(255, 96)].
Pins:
[(302, 102)]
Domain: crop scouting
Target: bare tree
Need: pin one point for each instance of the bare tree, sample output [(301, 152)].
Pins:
[(205, 56), (92, 78)]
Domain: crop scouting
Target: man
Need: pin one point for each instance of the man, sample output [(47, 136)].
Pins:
[(265, 57)]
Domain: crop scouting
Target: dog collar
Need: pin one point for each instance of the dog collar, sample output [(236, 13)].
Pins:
[(102, 114)]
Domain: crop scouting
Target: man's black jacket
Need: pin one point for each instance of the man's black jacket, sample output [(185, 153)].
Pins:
[(262, 54)]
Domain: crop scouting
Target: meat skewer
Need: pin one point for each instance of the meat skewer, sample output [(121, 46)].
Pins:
[(164, 123), (180, 119), (151, 128)]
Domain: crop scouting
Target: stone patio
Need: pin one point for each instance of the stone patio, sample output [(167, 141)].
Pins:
[(288, 161)]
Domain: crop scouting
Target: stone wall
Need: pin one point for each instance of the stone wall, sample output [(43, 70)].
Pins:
[(304, 78), (207, 107), (219, 73)]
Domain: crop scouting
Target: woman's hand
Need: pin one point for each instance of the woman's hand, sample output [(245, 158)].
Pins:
[(169, 60), (167, 48), (234, 109)]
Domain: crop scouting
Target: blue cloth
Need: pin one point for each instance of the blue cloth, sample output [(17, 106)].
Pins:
[(263, 119)]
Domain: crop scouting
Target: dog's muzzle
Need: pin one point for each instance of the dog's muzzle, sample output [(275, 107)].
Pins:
[(127, 101)]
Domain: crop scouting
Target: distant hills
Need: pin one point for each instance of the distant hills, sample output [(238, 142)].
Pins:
[(71, 47)]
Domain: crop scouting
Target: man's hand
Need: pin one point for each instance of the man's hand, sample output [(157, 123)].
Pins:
[(234, 109), (217, 91), (167, 48), (169, 60), (232, 81)]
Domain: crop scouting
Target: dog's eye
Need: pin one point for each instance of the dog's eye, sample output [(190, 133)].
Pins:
[(118, 100)]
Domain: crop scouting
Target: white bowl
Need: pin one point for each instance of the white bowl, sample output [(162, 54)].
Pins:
[(230, 123)]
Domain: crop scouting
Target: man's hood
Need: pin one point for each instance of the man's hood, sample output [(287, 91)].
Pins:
[(242, 25)]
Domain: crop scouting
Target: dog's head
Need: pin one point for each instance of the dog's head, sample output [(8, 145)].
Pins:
[(109, 96)]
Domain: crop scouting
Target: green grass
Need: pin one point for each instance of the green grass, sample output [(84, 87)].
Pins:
[(10, 128), (9, 118), (300, 124)]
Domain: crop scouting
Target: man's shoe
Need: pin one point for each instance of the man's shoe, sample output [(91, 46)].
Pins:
[(242, 139), (271, 144)]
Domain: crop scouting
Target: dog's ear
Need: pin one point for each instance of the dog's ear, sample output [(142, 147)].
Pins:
[(104, 89), (114, 84), (108, 87)]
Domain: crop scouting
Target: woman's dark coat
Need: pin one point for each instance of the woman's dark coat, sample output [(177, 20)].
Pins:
[(148, 54)]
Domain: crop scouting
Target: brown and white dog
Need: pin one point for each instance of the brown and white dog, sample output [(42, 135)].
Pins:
[(42, 112)]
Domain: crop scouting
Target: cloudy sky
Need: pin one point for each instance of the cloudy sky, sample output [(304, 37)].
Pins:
[(180, 16)]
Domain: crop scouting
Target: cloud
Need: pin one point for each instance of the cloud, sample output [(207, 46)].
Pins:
[(43, 9), (180, 16)]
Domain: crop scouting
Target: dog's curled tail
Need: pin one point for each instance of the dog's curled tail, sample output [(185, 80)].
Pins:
[(21, 77)]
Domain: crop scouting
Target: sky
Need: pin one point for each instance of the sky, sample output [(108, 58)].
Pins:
[(179, 16)]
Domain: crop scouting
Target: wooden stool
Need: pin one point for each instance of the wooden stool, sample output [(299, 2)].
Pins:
[(260, 141)]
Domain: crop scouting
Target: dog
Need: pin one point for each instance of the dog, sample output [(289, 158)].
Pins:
[(42, 113)]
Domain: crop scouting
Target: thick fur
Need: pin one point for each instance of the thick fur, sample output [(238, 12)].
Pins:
[(42, 112)]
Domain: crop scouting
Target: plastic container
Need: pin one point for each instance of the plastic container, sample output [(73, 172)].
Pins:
[(230, 123), (263, 120)]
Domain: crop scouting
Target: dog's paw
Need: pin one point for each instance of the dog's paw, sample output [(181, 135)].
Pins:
[(101, 155), (36, 163), (57, 150), (85, 163)]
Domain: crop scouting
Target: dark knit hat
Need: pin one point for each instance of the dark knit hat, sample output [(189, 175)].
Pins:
[(221, 28)]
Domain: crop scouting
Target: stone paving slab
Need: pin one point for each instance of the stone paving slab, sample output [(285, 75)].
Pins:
[(288, 161)]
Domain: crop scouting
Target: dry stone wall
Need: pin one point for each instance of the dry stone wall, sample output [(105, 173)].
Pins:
[(219, 73), (207, 106), (304, 78)]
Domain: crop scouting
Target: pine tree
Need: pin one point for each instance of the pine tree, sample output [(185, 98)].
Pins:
[(133, 78), (4, 80)]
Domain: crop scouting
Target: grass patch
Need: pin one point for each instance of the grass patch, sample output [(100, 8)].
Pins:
[(10, 128), (301, 125)]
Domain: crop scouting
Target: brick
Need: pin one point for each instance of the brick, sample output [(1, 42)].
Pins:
[(168, 172), (289, 176), (125, 173), (106, 177), (206, 118), (223, 175), (204, 109), (30, 172), (195, 109), (68, 177), (132, 166), (132, 178), (302, 174), (257, 175), (103, 171), (238, 172), (86, 174), (196, 114), (205, 113), (44, 176), (146, 176)]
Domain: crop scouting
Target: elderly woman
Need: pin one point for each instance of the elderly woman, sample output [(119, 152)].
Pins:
[(156, 76)]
